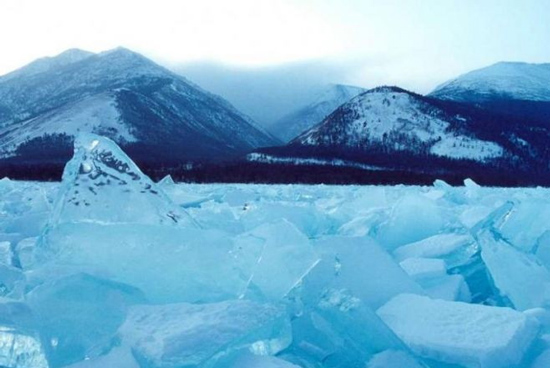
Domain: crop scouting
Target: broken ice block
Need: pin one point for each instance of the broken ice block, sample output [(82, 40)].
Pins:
[(412, 218), (432, 275), (394, 359), (424, 268), (101, 184), (20, 347), (518, 276), (458, 333), (248, 360), (6, 256), (305, 218), (334, 322), (449, 246), (118, 357), (168, 263), (279, 256), (525, 223), (79, 315), (362, 267), (185, 335)]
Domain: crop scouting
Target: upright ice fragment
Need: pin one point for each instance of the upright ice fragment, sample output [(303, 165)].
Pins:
[(101, 184), (518, 276), (458, 333), (334, 323)]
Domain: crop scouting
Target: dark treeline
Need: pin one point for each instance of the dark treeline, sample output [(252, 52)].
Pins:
[(44, 159), (261, 173)]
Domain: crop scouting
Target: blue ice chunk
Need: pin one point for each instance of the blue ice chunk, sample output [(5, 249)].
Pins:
[(190, 335), (79, 315)]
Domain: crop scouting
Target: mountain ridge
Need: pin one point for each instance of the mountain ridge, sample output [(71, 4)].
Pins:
[(127, 97)]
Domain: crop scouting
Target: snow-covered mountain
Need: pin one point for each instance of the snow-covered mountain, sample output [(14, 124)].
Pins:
[(391, 128), (305, 117), (505, 80), (48, 63), (401, 121), (153, 113), (520, 90)]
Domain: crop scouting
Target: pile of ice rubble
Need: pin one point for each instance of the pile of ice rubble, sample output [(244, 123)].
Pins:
[(109, 269)]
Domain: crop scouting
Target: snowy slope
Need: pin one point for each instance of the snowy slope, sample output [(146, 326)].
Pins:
[(505, 80), (401, 121), (126, 97), (304, 118), (48, 63)]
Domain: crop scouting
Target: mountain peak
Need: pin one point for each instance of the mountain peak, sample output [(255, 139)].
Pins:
[(394, 119), (121, 51), (388, 89), (48, 63), (73, 55), (503, 80)]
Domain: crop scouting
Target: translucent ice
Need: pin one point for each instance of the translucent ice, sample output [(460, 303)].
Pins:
[(79, 315), (439, 246), (362, 267), (394, 359), (117, 358), (102, 184), (334, 322), (518, 276), (167, 181), (459, 333), (526, 223), (185, 335), (20, 347), (412, 218), (279, 256), (168, 263), (256, 361)]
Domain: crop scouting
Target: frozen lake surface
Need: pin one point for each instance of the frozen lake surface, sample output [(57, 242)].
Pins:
[(108, 269)]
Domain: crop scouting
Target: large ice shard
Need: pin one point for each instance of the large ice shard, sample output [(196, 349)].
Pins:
[(101, 184), (111, 220), (458, 333), (79, 315), (455, 248), (518, 276), (334, 322), (169, 264), (189, 335), (278, 255), (412, 218), (526, 223), (360, 266)]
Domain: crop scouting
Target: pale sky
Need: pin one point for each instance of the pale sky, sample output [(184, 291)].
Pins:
[(416, 44)]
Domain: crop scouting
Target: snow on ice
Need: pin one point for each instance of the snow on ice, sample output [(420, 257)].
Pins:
[(109, 269)]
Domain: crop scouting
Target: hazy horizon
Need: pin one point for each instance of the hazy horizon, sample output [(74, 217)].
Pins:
[(414, 44)]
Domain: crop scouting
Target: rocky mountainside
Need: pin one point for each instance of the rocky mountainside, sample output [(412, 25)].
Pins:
[(154, 114)]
